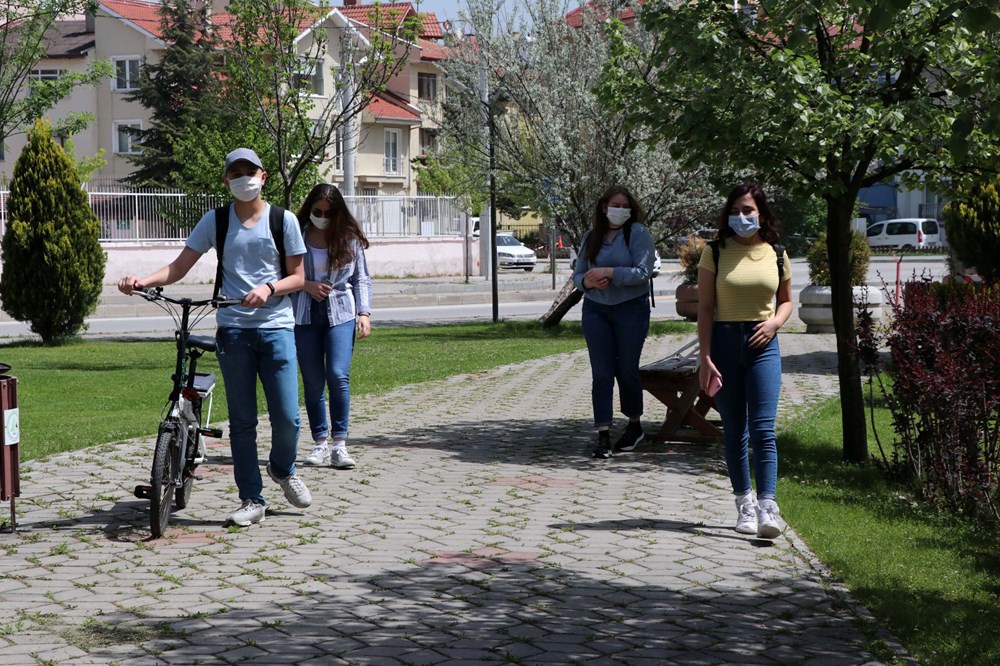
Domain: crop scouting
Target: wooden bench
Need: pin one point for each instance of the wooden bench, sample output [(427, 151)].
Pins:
[(674, 382)]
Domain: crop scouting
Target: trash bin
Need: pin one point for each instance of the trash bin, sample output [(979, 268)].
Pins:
[(10, 437)]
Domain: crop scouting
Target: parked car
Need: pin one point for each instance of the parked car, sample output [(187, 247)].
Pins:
[(910, 233), (512, 253)]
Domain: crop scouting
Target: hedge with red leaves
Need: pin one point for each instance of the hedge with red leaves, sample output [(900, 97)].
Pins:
[(945, 346)]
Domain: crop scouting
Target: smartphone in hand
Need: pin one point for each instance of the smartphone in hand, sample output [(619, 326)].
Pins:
[(714, 384)]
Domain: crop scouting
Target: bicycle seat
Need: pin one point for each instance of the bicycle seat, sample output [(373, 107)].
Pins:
[(205, 342)]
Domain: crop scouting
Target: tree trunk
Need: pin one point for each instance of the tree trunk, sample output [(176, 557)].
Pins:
[(838, 247)]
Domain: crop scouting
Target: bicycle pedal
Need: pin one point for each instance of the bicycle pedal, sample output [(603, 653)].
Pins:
[(143, 492), (211, 432)]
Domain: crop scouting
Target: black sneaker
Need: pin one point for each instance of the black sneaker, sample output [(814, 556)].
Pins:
[(631, 437), (603, 448)]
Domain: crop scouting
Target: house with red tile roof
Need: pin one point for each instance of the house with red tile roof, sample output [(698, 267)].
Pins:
[(393, 129)]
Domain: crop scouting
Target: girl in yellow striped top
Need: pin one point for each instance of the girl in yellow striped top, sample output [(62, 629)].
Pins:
[(742, 303)]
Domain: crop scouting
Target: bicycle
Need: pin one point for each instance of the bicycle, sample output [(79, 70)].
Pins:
[(180, 445)]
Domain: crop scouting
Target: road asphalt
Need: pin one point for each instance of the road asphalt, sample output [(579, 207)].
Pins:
[(475, 529)]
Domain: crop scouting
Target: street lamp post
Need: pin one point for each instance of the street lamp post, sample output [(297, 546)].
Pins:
[(493, 213)]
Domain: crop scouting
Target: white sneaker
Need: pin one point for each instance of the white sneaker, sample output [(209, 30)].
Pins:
[(319, 456), (340, 459), (767, 520), (249, 513), (295, 490), (746, 516)]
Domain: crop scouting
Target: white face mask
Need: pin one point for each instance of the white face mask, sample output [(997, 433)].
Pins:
[(319, 222), (246, 188), (618, 216)]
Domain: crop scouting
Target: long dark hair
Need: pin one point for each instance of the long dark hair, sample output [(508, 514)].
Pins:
[(343, 227), (768, 220), (601, 223)]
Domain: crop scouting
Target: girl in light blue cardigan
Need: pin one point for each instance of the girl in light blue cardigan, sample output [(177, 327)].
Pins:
[(333, 308), (613, 269)]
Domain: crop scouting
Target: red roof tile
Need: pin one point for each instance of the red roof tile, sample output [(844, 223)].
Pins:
[(430, 26), (431, 51), (574, 19), (388, 105), (143, 14)]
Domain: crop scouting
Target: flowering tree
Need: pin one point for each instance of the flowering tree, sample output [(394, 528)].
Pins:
[(557, 145), (826, 97)]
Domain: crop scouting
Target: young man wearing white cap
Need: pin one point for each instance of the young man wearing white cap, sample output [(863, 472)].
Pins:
[(256, 340)]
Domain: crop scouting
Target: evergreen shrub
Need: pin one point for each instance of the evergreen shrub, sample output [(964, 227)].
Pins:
[(819, 265), (972, 224), (53, 264)]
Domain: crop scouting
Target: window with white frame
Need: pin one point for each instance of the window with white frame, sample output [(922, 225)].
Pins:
[(42, 75), (126, 142), (427, 85), (369, 191), (309, 77), (126, 73), (391, 162)]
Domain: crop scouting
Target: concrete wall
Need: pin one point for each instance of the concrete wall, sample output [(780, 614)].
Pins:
[(387, 257)]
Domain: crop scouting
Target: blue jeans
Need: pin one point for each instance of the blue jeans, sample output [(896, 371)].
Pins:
[(748, 403), (615, 335), (325, 363), (246, 354)]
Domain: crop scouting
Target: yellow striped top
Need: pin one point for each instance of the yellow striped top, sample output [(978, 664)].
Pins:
[(746, 281)]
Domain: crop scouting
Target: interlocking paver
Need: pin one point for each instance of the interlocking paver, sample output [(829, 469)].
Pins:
[(475, 528)]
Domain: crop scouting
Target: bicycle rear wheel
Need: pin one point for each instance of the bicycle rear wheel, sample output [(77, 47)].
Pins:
[(161, 481)]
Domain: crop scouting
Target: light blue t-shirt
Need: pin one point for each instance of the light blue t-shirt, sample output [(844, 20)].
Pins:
[(250, 260)]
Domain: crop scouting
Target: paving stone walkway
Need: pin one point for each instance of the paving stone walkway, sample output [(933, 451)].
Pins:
[(475, 529)]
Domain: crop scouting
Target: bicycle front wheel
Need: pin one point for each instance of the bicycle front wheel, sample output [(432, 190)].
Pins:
[(161, 480)]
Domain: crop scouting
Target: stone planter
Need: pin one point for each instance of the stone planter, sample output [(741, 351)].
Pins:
[(687, 301), (815, 311)]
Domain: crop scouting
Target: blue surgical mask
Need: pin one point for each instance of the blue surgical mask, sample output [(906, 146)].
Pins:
[(745, 226)]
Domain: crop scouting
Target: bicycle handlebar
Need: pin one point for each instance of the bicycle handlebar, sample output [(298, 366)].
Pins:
[(156, 294)]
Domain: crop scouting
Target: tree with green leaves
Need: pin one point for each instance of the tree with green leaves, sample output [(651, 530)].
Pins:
[(555, 140), (182, 90), (53, 264), (25, 37), (275, 63), (824, 97)]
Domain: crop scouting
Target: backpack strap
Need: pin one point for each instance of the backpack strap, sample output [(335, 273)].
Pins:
[(276, 220), (221, 228)]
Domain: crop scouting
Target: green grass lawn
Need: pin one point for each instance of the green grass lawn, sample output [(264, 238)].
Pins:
[(932, 580), (94, 392)]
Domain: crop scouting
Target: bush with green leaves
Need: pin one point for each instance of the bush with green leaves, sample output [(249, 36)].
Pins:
[(53, 264), (819, 265), (972, 222)]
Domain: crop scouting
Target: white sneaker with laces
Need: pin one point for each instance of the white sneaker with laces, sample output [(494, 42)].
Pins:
[(746, 516), (767, 520), (295, 490), (319, 456), (249, 513), (340, 459)]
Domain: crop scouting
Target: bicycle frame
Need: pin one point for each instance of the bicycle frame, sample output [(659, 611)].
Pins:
[(180, 439)]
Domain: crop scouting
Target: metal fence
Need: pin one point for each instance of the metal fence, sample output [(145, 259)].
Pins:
[(142, 215)]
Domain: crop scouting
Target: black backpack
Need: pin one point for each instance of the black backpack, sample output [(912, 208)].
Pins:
[(779, 250), (276, 219)]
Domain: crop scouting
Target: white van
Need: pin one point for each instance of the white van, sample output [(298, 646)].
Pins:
[(910, 233)]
